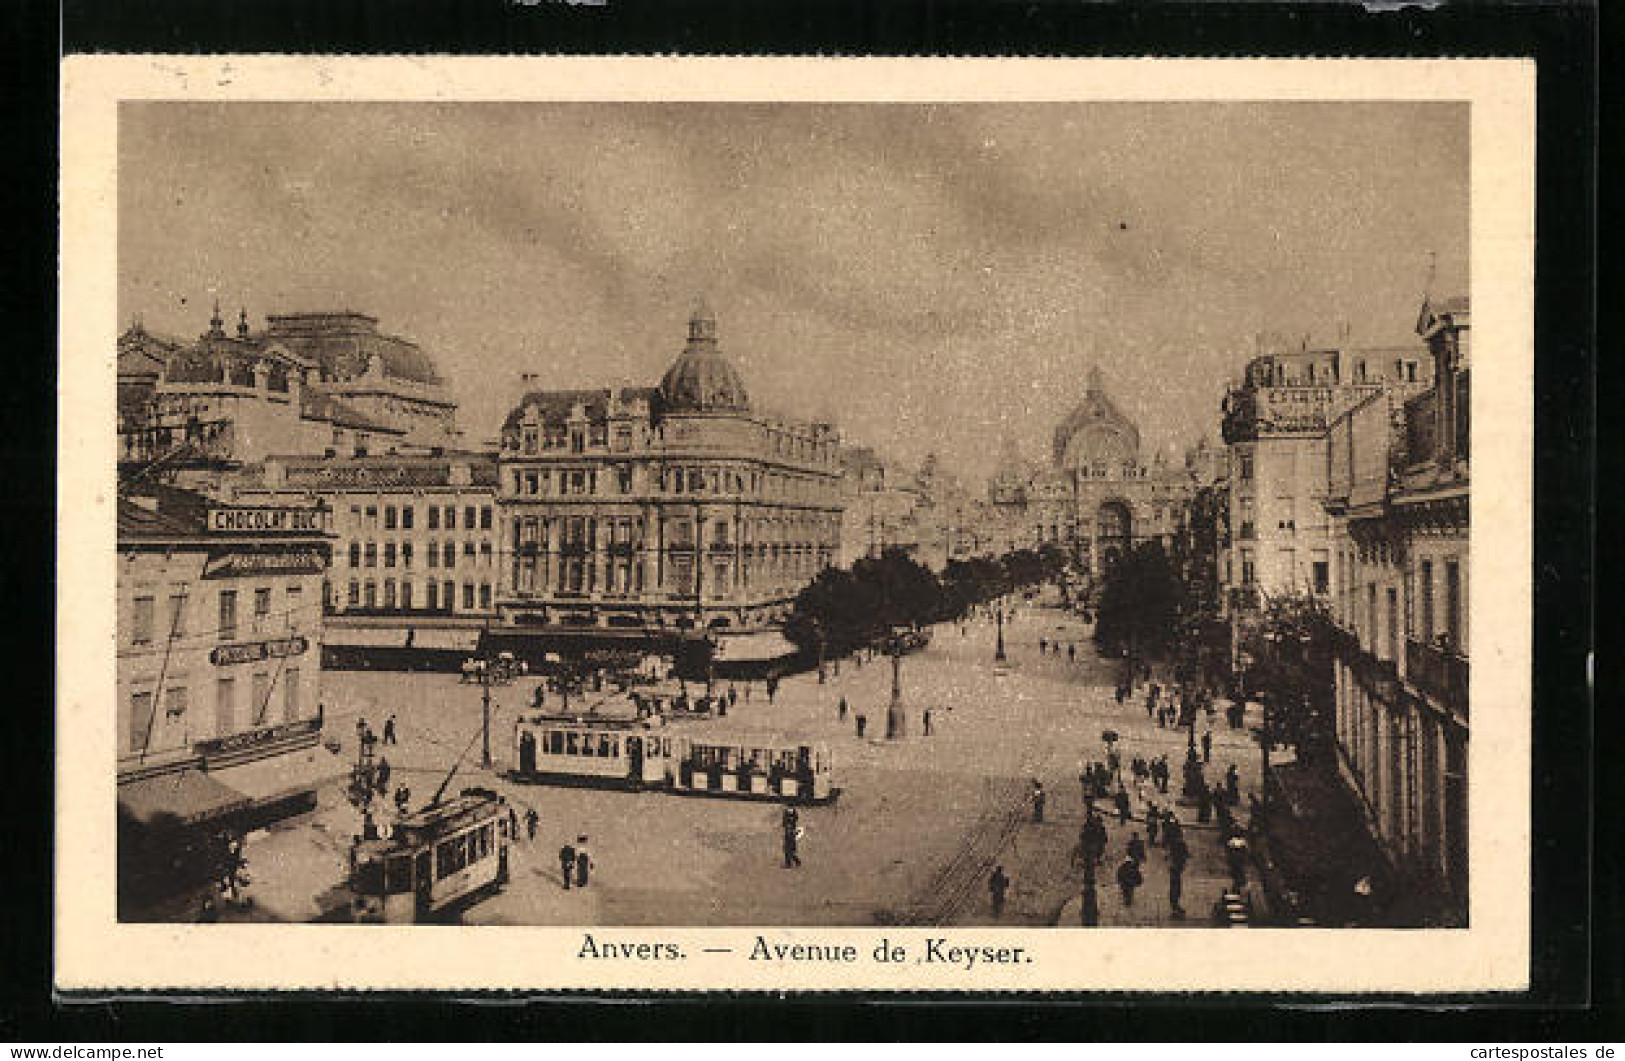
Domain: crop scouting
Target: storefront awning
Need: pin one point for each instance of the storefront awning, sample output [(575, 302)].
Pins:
[(181, 798), (460, 640), (277, 777), (742, 648)]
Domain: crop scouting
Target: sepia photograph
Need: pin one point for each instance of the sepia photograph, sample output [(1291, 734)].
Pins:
[(796, 514)]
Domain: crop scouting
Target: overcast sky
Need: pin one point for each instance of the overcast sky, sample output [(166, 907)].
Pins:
[(926, 276)]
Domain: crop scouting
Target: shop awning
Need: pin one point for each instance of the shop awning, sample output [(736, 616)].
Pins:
[(277, 777), (182, 798), (365, 637), (742, 648), (460, 640)]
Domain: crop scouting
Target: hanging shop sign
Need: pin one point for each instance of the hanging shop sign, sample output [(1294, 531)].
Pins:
[(237, 743), (247, 563), (254, 651)]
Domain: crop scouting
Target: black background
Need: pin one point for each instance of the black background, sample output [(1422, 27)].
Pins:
[(1577, 899)]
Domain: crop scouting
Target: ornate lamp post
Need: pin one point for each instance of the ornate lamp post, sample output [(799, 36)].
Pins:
[(998, 653), (896, 718)]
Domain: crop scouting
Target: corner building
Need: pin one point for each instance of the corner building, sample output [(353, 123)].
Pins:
[(663, 508), (1399, 473)]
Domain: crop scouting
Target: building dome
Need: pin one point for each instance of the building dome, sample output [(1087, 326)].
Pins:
[(1095, 431), (701, 380)]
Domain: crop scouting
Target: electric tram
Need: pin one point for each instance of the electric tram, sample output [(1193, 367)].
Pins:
[(639, 754), (445, 854)]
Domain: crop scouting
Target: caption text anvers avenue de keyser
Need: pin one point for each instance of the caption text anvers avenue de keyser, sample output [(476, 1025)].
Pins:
[(933, 950)]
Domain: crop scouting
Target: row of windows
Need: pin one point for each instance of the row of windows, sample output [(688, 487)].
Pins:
[(273, 696), (437, 596), (459, 852), (177, 618), (583, 530), (586, 482), (437, 554), (437, 517)]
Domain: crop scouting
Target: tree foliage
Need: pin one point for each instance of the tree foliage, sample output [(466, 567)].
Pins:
[(1288, 659), (845, 609), (1140, 603)]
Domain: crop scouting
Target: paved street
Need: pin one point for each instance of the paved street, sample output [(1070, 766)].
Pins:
[(918, 828)]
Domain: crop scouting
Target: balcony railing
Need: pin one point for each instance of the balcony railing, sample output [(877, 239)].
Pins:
[(1438, 671)]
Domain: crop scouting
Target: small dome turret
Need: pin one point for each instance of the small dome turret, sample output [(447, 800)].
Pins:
[(702, 380)]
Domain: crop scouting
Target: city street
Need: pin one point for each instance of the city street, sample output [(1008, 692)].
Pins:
[(919, 826)]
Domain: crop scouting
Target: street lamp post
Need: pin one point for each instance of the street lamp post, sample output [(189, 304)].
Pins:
[(998, 652), (896, 719)]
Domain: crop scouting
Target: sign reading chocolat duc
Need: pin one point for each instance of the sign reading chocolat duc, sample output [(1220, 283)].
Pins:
[(254, 651), (248, 520)]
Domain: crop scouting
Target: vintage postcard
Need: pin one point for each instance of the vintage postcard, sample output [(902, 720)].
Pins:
[(794, 524)]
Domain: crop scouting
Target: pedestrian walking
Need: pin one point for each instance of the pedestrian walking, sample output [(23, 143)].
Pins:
[(926, 718), (1093, 840), (1121, 800), (1207, 746), (513, 824), (1235, 851), (1129, 878), (1176, 881), (584, 864), (733, 695), (389, 730), (403, 796), (1232, 784), (1136, 847), (567, 864), (1089, 911), (532, 820), (863, 723), (1038, 801), (998, 885), (790, 825), (1153, 823), (1043, 646), (1071, 653), (382, 775), (840, 710)]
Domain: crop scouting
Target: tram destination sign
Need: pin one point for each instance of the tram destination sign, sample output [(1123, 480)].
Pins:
[(254, 651), (260, 519)]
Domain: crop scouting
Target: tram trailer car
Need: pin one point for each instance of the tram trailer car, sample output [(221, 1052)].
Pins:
[(640, 756), (444, 855)]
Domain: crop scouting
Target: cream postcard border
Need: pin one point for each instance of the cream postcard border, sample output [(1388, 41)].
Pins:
[(95, 953)]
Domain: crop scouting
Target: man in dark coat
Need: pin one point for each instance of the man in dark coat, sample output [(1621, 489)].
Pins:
[(1038, 798), (1207, 746), (790, 824), (583, 862), (1122, 806), (997, 886), (1129, 878), (567, 864), (389, 730)]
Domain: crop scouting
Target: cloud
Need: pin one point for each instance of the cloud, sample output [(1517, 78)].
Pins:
[(926, 274)]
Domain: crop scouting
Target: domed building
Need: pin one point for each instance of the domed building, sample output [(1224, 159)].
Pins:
[(1098, 496), (640, 512)]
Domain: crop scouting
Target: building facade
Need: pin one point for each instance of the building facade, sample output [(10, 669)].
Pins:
[(1097, 497), (663, 508), (219, 679), (1398, 498), (309, 384), (1275, 427), (415, 536)]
